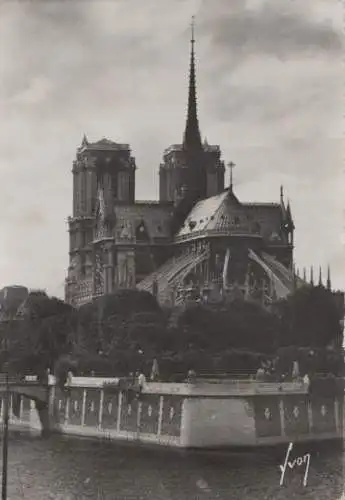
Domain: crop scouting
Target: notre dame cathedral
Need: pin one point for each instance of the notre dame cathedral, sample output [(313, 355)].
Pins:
[(199, 241)]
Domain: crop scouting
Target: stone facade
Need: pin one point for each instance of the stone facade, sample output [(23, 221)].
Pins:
[(198, 235)]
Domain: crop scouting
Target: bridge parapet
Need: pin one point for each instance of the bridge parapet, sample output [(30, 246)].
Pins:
[(32, 389)]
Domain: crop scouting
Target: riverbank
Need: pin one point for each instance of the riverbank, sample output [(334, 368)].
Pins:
[(196, 415)]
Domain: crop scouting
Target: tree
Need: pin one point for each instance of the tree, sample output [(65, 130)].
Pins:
[(103, 321), (122, 330), (38, 305), (122, 302), (237, 325), (310, 317), (44, 332), (125, 331)]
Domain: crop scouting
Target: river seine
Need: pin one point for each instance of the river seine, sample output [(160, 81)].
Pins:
[(64, 468)]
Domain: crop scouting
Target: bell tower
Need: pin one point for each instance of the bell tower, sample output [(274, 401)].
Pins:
[(103, 168)]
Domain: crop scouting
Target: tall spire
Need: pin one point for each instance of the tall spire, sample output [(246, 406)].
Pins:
[(289, 216), (231, 166), (192, 136), (84, 141), (295, 276), (329, 284)]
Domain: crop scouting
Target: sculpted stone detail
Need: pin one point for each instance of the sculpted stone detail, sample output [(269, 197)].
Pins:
[(121, 270), (126, 270), (125, 231)]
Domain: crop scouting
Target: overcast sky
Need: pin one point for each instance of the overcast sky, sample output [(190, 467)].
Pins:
[(270, 83)]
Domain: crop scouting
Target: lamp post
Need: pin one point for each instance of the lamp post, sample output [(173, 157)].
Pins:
[(6, 404), (5, 437)]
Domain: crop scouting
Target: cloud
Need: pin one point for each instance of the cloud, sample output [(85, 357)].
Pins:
[(277, 67), (269, 90), (31, 218), (273, 28), (36, 92)]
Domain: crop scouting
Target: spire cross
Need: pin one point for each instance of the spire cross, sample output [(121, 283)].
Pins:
[(231, 166), (192, 24)]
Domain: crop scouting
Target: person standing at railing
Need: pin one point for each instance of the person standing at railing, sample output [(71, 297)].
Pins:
[(154, 371), (306, 380), (141, 381), (69, 378), (191, 377), (295, 371), (260, 374)]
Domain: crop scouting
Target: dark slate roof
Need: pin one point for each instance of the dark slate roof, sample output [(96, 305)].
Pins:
[(217, 214), (156, 219), (268, 215), (224, 213), (201, 217)]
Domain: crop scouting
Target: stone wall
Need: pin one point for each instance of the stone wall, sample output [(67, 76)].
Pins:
[(200, 415)]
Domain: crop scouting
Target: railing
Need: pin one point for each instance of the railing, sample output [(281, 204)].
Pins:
[(15, 380), (245, 386), (10, 380), (197, 387), (238, 231), (252, 382)]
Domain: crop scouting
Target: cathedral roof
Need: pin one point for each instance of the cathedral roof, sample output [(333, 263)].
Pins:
[(210, 215), (156, 219), (224, 214)]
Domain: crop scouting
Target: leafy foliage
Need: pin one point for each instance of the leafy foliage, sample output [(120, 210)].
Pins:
[(125, 331), (311, 317), (44, 332), (38, 306), (311, 360), (239, 325)]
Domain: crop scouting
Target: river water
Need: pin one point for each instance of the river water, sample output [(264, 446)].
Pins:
[(65, 468)]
